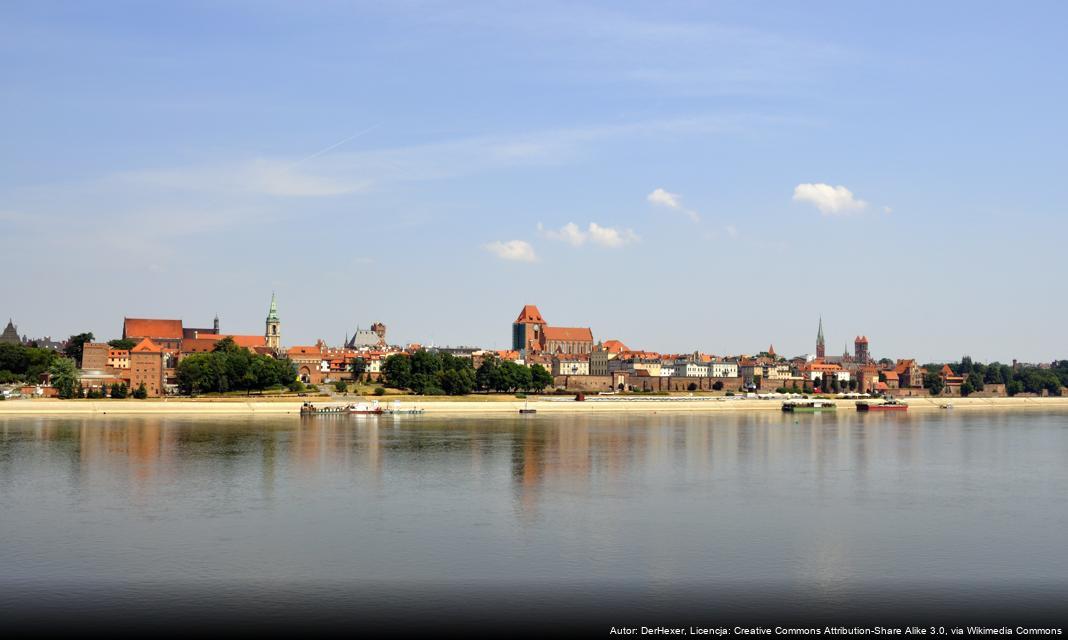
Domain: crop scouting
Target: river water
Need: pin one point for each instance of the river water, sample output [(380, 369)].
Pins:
[(659, 518)]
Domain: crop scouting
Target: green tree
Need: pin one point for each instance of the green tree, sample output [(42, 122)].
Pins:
[(397, 371), (124, 344), (934, 384), (118, 390), (341, 386), (226, 345), (513, 377), (75, 346), (540, 378), (141, 392), (64, 375), (975, 380), (358, 366), (488, 374)]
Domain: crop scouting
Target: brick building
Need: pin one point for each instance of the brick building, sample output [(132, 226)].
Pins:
[(146, 367), (531, 334)]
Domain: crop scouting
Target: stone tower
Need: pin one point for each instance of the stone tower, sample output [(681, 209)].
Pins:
[(274, 326), (860, 349), (215, 325), (821, 350)]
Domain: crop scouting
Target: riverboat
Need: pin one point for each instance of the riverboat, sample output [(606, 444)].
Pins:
[(366, 409), (397, 410), (309, 409), (889, 405), (809, 406)]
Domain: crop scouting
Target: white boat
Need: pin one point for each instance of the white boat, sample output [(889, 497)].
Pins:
[(366, 409)]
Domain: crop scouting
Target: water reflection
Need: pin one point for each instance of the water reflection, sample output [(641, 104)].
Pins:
[(825, 500)]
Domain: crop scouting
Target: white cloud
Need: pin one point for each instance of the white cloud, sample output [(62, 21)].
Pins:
[(516, 250), (569, 233), (829, 200), (887, 210), (611, 237), (661, 198), (731, 230), (574, 235)]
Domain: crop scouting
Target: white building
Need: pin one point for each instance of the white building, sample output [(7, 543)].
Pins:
[(723, 369)]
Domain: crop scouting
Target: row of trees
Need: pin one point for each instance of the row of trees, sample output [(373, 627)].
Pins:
[(20, 363), (831, 384), (1020, 379), (497, 375), (429, 373), (27, 362), (229, 367)]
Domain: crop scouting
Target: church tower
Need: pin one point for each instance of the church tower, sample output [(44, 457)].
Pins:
[(274, 326), (821, 351)]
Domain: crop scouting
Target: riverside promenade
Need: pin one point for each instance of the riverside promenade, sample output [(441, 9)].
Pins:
[(453, 406)]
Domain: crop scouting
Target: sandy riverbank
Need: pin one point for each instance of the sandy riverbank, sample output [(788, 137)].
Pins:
[(455, 407)]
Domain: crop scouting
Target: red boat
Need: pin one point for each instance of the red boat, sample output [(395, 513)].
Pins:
[(889, 405)]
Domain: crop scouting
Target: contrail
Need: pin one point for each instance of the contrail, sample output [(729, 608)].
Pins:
[(335, 145)]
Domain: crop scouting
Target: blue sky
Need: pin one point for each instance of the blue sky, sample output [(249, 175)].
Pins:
[(679, 176)]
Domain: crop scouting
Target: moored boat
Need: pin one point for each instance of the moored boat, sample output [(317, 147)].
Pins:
[(365, 409), (309, 409), (397, 410), (889, 405), (809, 406)]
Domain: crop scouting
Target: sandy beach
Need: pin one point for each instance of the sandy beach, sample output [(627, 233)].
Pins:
[(450, 406)]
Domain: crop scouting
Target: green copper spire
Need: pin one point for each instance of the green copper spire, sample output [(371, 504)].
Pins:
[(272, 315)]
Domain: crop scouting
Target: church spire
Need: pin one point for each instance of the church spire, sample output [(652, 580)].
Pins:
[(272, 314), (273, 334), (821, 350)]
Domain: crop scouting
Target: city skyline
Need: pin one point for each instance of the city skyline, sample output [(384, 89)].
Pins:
[(678, 177)]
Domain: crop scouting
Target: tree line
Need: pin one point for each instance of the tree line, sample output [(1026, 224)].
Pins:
[(228, 367), (428, 373), (1019, 379)]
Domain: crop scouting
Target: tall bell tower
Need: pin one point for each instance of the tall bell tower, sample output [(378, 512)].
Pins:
[(274, 326)]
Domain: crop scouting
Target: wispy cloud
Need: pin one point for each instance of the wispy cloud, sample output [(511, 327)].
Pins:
[(514, 250), (831, 201), (610, 237), (259, 176), (662, 198)]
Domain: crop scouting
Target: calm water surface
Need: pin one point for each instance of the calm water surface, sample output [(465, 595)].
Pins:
[(579, 514)]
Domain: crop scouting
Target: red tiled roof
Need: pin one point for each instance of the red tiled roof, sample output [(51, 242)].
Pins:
[(615, 346), (890, 375), (242, 341), (904, 365), (148, 328), (146, 346), (531, 314), (568, 334), (304, 350)]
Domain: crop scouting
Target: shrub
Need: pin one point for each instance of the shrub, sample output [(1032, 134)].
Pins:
[(296, 386), (380, 391), (730, 393), (520, 395), (140, 392), (717, 385), (341, 386), (311, 388), (692, 386), (433, 391)]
